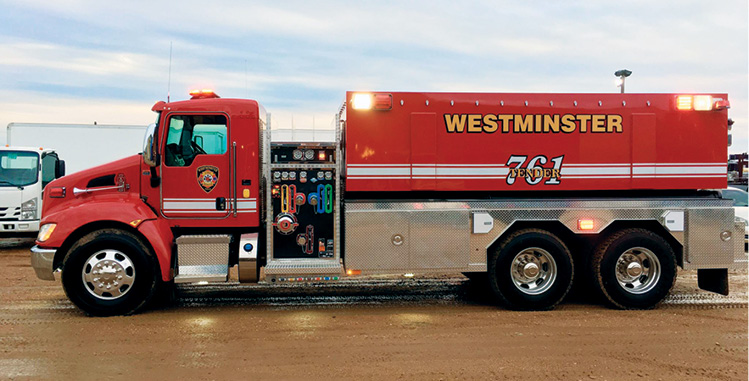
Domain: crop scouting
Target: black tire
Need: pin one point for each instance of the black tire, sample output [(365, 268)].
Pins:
[(645, 291), (142, 265), (528, 242)]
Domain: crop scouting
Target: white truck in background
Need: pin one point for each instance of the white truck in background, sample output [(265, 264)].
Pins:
[(81, 145), (24, 172), (27, 163)]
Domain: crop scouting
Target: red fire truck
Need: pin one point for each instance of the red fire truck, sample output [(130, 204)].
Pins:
[(526, 190)]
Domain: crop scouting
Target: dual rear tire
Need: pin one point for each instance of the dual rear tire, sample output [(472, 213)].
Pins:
[(532, 269), (634, 269)]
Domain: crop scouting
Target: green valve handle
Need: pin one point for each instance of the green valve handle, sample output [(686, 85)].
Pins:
[(328, 198)]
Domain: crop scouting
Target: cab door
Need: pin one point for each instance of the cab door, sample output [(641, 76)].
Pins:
[(196, 172)]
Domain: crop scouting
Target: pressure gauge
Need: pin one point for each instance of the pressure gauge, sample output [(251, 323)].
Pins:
[(309, 154), (297, 154)]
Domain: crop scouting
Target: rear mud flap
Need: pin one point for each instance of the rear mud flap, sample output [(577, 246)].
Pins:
[(713, 280)]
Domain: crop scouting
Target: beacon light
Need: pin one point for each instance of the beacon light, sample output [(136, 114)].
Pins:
[(703, 103), (361, 101)]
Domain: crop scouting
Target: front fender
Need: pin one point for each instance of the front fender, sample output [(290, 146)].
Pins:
[(126, 208), (160, 236)]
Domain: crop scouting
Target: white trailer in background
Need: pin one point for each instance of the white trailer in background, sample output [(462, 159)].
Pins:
[(81, 145)]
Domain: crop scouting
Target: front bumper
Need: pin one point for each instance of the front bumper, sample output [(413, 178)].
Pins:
[(42, 260), (31, 226)]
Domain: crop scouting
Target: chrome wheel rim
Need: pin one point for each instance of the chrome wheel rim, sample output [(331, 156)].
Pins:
[(638, 270), (533, 271), (108, 274)]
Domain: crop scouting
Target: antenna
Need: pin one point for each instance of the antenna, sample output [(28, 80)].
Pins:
[(169, 81), (246, 90)]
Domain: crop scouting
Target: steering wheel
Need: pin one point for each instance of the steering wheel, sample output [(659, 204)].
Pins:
[(197, 148)]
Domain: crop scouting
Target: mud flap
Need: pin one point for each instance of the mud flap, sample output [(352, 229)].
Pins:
[(714, 280)]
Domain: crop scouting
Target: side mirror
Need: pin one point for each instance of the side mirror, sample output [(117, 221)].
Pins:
[(59, 168), (148, 152), (150, 157)]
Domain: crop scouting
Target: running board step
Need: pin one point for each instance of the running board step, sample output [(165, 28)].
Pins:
[(202, 258), (303, 270)]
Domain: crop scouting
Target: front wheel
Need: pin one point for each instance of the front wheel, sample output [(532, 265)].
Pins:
[(109, 272), (634, 269), (531, 270)]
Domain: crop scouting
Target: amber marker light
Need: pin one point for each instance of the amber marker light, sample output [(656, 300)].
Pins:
[(45, 232), (585, 224), (684, 102), (353, 272)]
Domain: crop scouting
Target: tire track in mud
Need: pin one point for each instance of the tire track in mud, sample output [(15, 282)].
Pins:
[(370, 292)]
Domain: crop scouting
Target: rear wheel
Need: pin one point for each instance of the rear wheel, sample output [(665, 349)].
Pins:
[(531, 270), (634, 269), (109, 272)]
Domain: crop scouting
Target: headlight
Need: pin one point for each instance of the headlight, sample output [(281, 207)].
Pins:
[(45, 232), (28, 210)]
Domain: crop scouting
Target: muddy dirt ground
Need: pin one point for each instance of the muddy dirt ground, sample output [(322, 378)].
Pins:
[(378, 328)]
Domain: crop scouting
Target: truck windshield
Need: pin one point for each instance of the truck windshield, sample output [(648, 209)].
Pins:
[(18, 168)]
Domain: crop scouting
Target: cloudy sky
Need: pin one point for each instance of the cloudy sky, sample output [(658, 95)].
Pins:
[(79, 61)]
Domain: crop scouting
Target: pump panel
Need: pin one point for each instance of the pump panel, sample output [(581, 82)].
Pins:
[(303, 193)]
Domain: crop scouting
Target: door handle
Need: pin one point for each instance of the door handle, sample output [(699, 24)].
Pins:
[(220, 203)]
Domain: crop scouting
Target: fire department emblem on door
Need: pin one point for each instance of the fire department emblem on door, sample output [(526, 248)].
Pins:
[(207, 177)]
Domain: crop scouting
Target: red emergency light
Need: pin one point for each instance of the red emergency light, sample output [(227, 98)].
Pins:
[(203, 94)]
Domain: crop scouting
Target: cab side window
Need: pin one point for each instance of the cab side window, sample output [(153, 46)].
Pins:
[(191, 135)]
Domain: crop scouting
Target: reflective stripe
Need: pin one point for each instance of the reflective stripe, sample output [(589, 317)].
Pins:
[(595, 171), (379, 171)]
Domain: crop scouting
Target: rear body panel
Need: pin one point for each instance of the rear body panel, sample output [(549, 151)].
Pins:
[(492, 142)]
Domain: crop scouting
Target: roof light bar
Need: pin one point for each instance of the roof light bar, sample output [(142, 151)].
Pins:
[(203, 94)]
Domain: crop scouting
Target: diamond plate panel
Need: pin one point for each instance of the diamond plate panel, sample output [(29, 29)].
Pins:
[(293, 267), (201, 250), (740, 256), (369, 240), (439, 239), (705, 248)]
